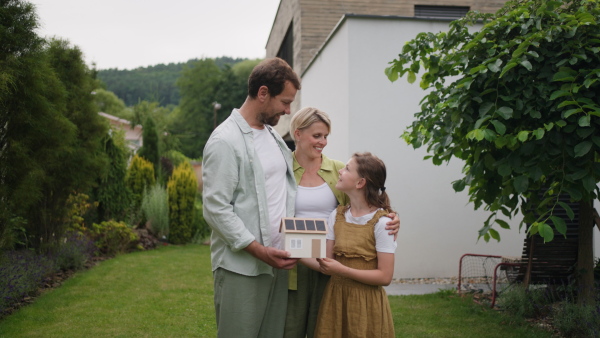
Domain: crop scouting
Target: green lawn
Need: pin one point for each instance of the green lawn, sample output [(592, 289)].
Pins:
[(168, 293)]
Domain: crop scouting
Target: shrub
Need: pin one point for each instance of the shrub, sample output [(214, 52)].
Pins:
[(140, 176), (112, 237), (574, 320), (201, 228), (182, 188), (523, 302), (112, 193), (12, 232), (156, 210), (74, 251), (77, 207), (21, 273)]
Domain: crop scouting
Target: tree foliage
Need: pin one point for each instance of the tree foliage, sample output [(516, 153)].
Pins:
[(201, 85), (154, 83), (149, 150), (51, 132), (111, 193), (518, 102), (109, 103)]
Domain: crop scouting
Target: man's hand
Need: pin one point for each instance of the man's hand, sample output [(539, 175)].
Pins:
[(393, 225), (276, 258)]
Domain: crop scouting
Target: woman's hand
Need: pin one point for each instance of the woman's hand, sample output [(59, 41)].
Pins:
[(393, 225)]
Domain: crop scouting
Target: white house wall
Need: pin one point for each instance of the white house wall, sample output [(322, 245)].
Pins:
[(369, 113), (328, 90)]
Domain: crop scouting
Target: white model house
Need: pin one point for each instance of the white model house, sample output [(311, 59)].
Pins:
[(304, 237)]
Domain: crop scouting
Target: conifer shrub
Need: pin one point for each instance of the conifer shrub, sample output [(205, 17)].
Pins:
[(140, 176), (182, 189), (112, 193)]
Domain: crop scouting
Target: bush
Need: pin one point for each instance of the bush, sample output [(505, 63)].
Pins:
[(112, 237), (182, 188), (201, 228), (156, 210), (21, 273), (523, 302), (74, 251), (140, 176), (77, 207), (574, 320)]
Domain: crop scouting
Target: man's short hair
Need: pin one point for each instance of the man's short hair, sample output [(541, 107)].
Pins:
[(273, 73)]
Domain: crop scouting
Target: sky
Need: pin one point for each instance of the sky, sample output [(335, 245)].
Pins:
[(128, 34)]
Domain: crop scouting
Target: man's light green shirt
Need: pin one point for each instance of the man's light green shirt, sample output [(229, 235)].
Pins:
[(234, 197)]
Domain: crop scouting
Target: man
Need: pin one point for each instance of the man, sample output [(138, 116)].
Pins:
[(248, 186)]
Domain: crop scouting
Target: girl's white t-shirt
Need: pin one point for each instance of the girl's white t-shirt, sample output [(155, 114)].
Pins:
[(383, 241)]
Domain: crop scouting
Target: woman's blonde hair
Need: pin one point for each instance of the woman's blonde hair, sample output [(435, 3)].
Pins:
[(305, 117)]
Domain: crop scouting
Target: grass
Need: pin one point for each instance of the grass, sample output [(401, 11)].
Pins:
[(447, 314), (159, 293), (168, 293)]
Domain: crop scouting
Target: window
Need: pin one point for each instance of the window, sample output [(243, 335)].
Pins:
[(286, 51), (444, 12)]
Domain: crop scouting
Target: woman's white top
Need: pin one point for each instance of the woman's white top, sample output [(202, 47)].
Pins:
[(383, 241), (315, 202)]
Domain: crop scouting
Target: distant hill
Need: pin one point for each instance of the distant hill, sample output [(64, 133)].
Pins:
[(153, 83)]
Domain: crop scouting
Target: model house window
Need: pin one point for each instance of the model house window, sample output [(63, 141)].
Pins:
[(286, 51), (440, 12)]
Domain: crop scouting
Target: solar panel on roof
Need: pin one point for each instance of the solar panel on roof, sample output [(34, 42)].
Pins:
[(310, 224), (289, 224), (320, 225), (300, 224)]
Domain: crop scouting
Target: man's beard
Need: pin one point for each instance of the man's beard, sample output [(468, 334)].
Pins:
[(271, 120)]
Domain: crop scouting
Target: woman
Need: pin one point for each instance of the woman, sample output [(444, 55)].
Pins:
[(316, 176)]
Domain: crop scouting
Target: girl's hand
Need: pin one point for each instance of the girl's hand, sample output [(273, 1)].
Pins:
[(330, 266), (393, 225)]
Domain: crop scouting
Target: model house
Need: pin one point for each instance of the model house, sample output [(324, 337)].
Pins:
[(304, 237)]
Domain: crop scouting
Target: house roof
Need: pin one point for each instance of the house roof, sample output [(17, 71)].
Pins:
[(303, 225)]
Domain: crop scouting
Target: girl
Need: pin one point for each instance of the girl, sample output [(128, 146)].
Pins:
[(360, 256), (317, 196)]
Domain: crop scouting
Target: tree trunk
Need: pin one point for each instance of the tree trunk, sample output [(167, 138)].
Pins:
[(585, 255)]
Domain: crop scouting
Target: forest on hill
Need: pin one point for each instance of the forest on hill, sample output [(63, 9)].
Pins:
[(156, 83)]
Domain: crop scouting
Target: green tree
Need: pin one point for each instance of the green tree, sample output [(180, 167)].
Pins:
[(50, 128), (153, 83), (194, 122), (161, 117), (111, 193), (149, 150), (107, 102), (82, 161), (517, 101)]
